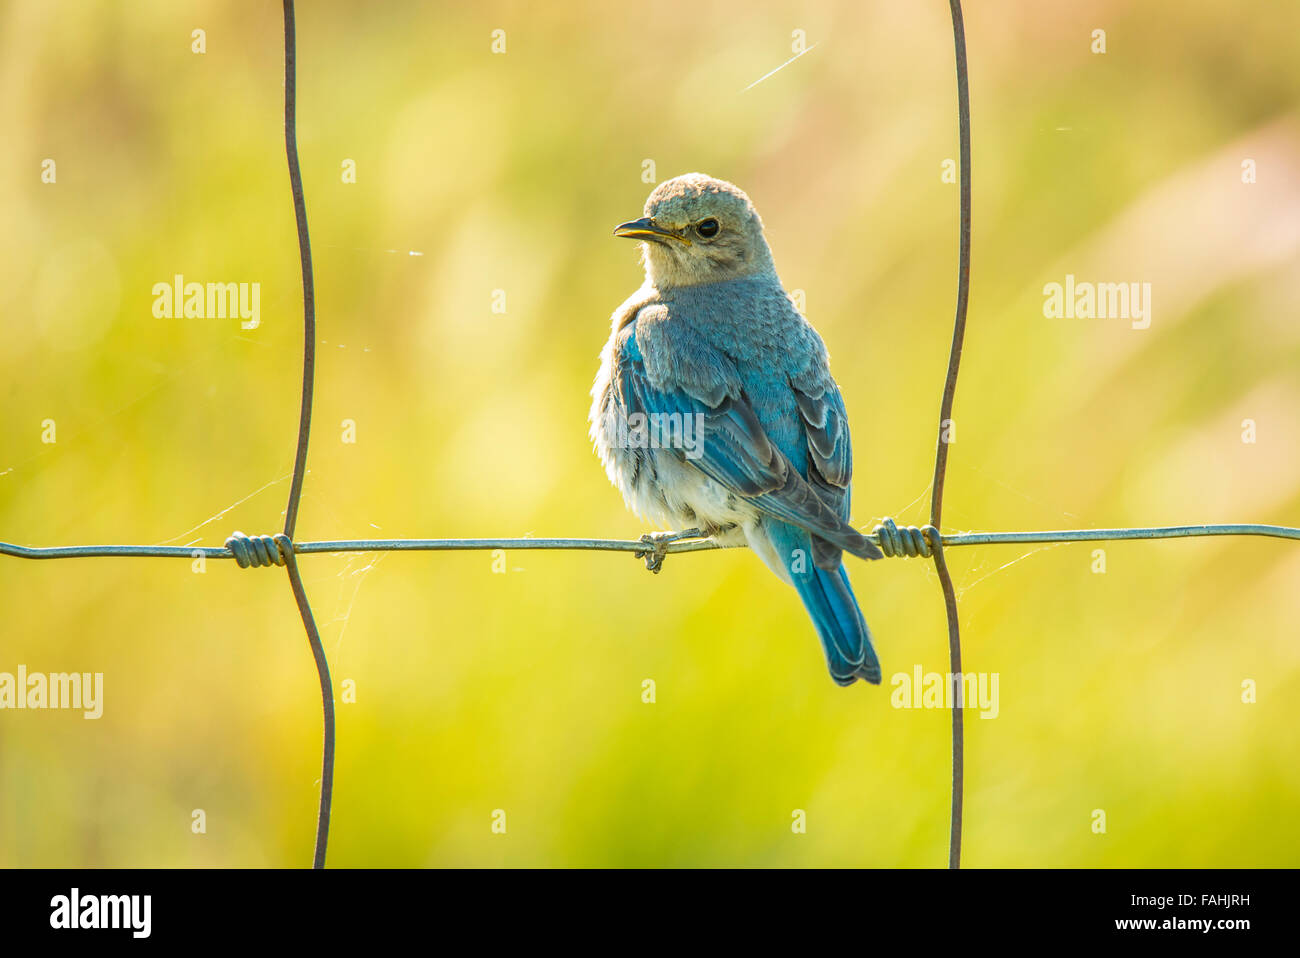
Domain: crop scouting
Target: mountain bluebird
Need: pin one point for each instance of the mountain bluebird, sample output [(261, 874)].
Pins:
[(714, 407)]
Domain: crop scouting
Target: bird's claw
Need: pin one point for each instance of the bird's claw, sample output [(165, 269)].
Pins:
[(657, 547)]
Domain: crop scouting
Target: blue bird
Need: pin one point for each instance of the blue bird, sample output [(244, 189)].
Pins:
[(715, 409)]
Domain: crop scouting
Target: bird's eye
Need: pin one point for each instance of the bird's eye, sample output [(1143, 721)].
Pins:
[(707, 228)]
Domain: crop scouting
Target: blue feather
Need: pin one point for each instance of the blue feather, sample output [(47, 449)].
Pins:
[(738, 453), (829, 599)]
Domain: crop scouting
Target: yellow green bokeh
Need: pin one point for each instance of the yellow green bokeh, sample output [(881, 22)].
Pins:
[(522, 690)]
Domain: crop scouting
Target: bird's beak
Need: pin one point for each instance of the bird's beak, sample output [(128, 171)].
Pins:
[(647, 229)]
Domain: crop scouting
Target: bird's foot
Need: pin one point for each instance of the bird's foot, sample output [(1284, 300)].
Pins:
[(657, 546)]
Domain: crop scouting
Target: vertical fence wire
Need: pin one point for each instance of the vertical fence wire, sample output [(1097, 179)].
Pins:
[(285, 544), (941, 445)]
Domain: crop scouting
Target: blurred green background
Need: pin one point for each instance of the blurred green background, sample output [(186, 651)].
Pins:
[(521, 690)]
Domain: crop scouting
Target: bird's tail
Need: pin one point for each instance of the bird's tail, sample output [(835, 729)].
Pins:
[(827, 595)]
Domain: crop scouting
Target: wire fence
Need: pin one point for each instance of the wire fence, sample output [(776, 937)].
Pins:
[(895, 541)]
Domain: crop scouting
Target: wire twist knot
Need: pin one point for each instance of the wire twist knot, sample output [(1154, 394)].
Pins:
[(256, 551), (908, 542)]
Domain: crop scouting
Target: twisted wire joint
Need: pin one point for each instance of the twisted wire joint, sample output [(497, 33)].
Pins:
[(256, 551), (909, 542)]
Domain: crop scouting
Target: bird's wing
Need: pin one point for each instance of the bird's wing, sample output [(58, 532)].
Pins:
[(830, 451), (826, 424), (733, 448)]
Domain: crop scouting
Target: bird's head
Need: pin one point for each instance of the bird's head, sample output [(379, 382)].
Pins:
[(699, 230)]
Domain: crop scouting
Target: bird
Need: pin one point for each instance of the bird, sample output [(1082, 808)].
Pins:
[(714, 409)]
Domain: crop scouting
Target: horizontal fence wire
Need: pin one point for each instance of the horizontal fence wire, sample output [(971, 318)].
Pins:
[(948, 540)]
